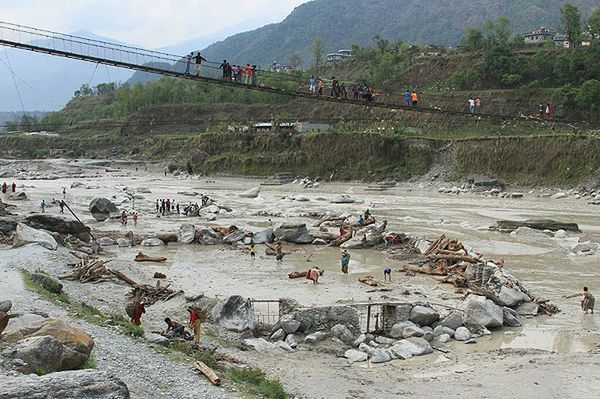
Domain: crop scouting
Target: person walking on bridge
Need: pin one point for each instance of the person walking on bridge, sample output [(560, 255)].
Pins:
[(188, 63), (198, 59), (225, 67), (248, 74), (407, 98), (414, 98)]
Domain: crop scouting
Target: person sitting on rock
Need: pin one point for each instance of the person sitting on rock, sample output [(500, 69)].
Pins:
[(176, 329)]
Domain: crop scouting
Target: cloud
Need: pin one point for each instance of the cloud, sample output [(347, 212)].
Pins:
[(149, 23)]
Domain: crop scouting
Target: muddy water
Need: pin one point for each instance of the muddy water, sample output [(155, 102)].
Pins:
[(543, 264)]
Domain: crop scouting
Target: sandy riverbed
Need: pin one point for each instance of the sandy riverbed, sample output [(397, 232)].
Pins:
[(543, 264)]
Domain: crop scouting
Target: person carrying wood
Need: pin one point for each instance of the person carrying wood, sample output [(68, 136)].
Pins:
[(588, 301), (313, 275), (135, 310)]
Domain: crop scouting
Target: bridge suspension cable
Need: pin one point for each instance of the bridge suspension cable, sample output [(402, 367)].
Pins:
[(172, 65)]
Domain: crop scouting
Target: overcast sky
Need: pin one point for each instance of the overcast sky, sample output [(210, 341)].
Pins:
[(150, 23)]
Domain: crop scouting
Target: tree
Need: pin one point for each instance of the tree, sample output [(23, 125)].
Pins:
[(317, 48), (381, 43), (594, 24), (84, 91), (473, 40), (295, 61), (570, 19), (498, 32)]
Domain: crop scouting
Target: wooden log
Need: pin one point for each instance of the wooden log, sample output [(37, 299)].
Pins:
[(457, 258), (123, 277), (142, 257), (369, 280), (293, 275), (424, 270), (433, 246), (207, 371)]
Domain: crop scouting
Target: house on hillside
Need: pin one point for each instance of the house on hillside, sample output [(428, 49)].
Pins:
[(341, 55), (540, 35), (277, 67), (561, 40)]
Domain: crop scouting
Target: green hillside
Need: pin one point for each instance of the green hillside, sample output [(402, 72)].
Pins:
[(342, 23)]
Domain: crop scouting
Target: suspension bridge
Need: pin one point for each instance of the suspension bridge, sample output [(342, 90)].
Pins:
[(172, 65)]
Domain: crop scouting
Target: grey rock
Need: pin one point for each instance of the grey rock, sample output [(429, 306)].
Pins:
[(193, 297), (319, 241), (462, 334), (187, 233), (401, 351), (296, 233), (354, 355), (252, 193), (361, 339), (43, 354), (292, 340), (5, 306), (278, 335), (527, 309), (58, 224), (208, 237), (263, 236), (424, 315), (384, 340), (415, 346), (47, 282), (22, 321), (102, 209), (107, 242), (428, 336), (453, 321), (380, 357), (8, 224), (284, 347), (152, 242), (26, 235), (483, 310), (124, 242), (511, 297), (234, 237), (585, 248), (511, 319), (88, 384), (441, 339), (343, 199), (289, 325), (259, 344), (315, 337), (411, 331), (398, 313), (440, 330), (235, 313), (20, 196), (398, 328), (342, 332), (158, 339), (366, 348), (427, 329)]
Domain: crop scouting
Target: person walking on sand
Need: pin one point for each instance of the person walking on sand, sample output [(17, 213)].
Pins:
[(387, 274), (14, 187), (124, 218), (345, 261), (61, 204), (279, 252), (135, 218), (4, 188), (43, 206), (588, 301), (157, 205), (252, 251)]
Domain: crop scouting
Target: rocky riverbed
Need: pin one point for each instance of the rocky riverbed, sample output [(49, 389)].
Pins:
[(548, 265)]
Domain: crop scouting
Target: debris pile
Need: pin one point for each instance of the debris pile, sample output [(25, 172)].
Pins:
[(89, 269)]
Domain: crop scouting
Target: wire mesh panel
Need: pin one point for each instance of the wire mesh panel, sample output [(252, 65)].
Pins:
[(266, 311)]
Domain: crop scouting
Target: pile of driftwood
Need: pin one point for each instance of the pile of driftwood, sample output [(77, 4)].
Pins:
[(451, 263), (89, 269), (150, 294)]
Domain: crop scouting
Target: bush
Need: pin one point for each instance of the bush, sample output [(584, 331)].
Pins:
[(132, 330), (258, 383), (533, 85), (511, 80)]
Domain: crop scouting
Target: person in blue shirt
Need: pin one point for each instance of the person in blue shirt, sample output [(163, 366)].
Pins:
[(407, 98)]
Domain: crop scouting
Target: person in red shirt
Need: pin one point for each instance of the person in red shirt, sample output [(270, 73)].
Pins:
[(195, 323), (14, 187), (248, 74), (140, 309)]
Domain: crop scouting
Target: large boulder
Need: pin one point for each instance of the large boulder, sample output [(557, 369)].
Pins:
[(452, 321), (424, 315), (3, 321), (296, 233), (58, 224), (20, 196), (354, 355), (235, 236), (484, 311), (511, 319), (397, 329), (416, 346), (5, 306), (47, 282), (43, 354), (511, 297), (208, 237), (528, 309), (77, 344), (263, 236), (462, 334), (27, 235), (326, 317), (107, 242), (102, 209), (235, 313), (289, 325), (343, 333), (187, 233), (24, 320), (252, 193), (88, 384), (8, 224)]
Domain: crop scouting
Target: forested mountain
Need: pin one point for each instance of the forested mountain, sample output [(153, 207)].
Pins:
[(341, 23)]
